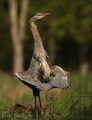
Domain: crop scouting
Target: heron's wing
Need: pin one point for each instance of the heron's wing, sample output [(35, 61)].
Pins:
[(37, 85), (34, 65), (26, 78), (59, 78)]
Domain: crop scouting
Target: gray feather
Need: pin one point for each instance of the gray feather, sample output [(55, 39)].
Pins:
[(26, 78), (59, 78), (34, 65), (37, 85)]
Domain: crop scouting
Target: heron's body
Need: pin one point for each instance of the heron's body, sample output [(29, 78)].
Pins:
[(39, 76), (39, 54)]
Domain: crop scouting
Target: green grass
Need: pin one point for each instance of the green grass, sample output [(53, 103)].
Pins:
[(73, 104)]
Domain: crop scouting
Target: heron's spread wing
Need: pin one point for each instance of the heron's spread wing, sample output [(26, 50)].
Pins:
[(37, 85), (34, 65), (26, 78), (59, 78)]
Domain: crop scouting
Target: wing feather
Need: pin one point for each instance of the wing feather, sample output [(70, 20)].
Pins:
[(35, 66), (59, 78), (37, 85), (26, 78)]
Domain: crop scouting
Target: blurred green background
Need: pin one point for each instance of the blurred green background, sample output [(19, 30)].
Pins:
[(67, 37), (67, 31)]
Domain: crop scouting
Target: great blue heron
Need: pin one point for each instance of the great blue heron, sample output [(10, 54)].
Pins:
[(39, 76)]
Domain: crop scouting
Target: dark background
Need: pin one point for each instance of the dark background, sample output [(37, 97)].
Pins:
[(68, 31)]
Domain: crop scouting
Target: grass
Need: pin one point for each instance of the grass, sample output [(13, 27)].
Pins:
[(74, 104)]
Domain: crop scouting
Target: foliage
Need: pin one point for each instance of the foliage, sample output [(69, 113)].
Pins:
[(6, 49), (70, 22)]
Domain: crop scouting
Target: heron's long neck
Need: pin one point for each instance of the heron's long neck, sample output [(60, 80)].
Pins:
[(38, 46)]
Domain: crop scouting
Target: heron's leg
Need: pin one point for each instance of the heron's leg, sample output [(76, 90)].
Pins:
[(40, 101), (35, 101)]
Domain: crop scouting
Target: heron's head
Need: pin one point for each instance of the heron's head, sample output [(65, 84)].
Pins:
[(40, 15)]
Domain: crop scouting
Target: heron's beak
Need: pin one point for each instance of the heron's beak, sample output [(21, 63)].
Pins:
[(45, 14)]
